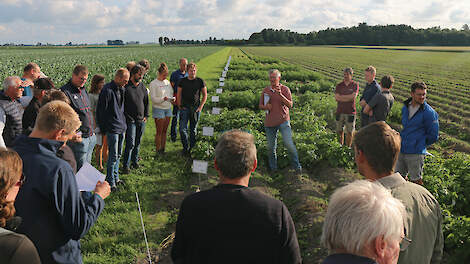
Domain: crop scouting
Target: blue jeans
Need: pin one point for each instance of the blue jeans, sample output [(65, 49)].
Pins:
[(174, 123), (115, 148), (83, 151), (134, 133), (187, 114), (271, 135)]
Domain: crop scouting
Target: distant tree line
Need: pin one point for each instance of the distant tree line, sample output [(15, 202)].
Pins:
[(364, 34), (165, 41)]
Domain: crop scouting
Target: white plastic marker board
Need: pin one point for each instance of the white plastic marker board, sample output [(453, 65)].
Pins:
[(200, 166), (221, 84), (87, 177), (208, 131), (215, 99), (219, 90), (221, 79), (224, 74), (216, 111)]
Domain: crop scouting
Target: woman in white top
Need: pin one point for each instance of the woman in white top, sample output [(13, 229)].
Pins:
[(161, 94)]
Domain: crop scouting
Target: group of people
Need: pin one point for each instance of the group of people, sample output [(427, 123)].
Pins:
[(52, 136), (384, 219), (420, 121), (46, 138)]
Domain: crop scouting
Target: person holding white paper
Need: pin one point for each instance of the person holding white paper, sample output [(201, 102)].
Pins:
[(277, 100), (54, 214), (162, 97)]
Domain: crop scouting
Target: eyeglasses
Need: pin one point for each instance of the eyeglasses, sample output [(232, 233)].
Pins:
[(21, 180), (404, 243)]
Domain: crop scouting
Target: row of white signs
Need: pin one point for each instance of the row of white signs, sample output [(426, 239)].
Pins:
[(200, 166)]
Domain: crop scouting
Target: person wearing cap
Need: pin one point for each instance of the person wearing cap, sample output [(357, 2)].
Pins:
[(41, 87), (11, 110)]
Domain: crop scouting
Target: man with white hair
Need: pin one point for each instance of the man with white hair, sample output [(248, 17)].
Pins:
[(376, 149), (11, 110), (364, 225)]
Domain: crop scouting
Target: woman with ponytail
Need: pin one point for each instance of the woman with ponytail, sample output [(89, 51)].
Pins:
[(14, 248), (161, 94)]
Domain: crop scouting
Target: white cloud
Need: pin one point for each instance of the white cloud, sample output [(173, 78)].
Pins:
[(60, 21)]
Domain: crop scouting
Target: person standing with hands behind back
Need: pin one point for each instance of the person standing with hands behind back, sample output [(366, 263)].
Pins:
[(276, 100)]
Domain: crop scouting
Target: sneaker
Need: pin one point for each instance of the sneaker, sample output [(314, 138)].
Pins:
[(173, 139), (120, 183), (186, 153), (135, 166), (125, 170)]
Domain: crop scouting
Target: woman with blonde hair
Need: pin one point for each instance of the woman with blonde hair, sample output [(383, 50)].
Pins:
[(14, 248), (161, 94)]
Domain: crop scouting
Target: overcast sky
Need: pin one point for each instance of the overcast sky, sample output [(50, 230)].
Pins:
[(93, 21)]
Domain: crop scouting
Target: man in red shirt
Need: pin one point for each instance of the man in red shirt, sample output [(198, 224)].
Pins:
[(345, 94), (276, 99)]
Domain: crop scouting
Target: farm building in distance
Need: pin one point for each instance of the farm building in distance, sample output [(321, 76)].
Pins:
[(115, 42)]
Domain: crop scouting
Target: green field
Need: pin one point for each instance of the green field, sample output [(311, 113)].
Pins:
[(445, 73), (162, 183)]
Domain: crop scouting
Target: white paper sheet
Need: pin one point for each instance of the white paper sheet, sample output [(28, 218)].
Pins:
[(266, 101), (215, 98), (87, 177), (221, 84), (208, 131), (216, 111), (200, 166), (219, 90), (221, 79)]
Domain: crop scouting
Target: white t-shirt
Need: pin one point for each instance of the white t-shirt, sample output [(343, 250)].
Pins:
[(2, 126), (158, 91), (412, 110)]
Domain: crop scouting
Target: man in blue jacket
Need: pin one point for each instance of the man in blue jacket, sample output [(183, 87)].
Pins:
[(54, 216), (111, 120), (420, 129)]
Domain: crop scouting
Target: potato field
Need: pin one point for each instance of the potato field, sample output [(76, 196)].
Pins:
[(311, 73)]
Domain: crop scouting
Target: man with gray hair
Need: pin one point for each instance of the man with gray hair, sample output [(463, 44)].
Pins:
[(232, 223), (11, 110), (364, 225), (376, 149), (276, 100), (345, 94)]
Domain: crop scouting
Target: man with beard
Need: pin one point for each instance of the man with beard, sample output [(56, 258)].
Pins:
[(136, 112)]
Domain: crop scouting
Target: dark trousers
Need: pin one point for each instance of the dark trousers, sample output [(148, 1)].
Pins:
[(174, 123)]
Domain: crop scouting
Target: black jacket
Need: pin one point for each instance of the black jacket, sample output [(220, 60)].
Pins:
[(81, 104), (54, 215), (136, 102), (110, 109), (29, 116), (14, 114), (234, 224)]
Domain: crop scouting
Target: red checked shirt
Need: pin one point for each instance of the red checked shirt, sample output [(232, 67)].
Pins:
[(279, 112)]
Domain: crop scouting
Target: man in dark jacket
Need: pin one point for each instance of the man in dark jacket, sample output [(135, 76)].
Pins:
[(76, 91), (11, 110), (136, 105), (54, 215), (371, 89), (41, 86), (420, 129), (111, 120), (232, 223)]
